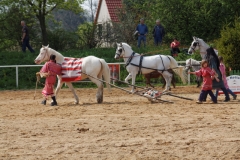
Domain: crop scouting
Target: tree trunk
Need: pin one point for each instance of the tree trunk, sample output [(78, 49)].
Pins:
[(43, 29)]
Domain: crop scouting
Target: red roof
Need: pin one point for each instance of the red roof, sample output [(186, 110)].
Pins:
[(112, 6)]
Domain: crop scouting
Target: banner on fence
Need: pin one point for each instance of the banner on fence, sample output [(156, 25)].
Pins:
[(233, 83), (114, 71)]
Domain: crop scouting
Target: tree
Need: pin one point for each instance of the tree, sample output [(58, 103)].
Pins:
[(42, 8), (228, 45), (10, 34)]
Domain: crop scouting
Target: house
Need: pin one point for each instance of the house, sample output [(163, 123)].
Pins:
[(107, 11), (105, 15)]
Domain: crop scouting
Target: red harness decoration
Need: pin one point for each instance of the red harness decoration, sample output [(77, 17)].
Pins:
[(71, 69)]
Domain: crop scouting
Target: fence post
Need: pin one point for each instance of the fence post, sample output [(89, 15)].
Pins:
[(17, 76), (188, 77)]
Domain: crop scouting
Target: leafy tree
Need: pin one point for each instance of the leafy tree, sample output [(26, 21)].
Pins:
[(42, 8), (228, 45), (10, 27)]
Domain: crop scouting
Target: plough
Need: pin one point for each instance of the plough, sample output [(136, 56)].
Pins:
[(149, 93)]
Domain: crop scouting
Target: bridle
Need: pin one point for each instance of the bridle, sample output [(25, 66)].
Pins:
[(46, 54), (121, 50), (190, 64), (195, 44)]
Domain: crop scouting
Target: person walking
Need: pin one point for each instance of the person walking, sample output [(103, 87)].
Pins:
[(142, 30), (207, 75), (158, 33), (50, 70), (25, 38), (222, 69)]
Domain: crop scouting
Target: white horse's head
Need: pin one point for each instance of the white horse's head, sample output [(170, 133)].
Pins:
[(123, 50), (188, 64), (119, 51), (43, 56), (194, 45)]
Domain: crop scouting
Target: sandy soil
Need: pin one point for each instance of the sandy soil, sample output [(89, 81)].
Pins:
[(125, 126)]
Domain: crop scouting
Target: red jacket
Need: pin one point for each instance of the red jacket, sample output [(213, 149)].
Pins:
[(175, 44)]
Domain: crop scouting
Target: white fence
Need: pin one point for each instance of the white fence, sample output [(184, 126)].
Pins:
[(18, 66)]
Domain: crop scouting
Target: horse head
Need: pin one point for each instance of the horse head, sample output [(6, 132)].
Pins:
[(194, 45), (119, 51), (44, 55), (123, 50), (188, 64)]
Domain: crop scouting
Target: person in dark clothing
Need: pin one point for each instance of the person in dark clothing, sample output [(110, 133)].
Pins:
[(142, 31), (158, 33), (25, 38)]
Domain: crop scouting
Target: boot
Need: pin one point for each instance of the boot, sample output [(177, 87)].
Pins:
[(54, 103), (44, 102)]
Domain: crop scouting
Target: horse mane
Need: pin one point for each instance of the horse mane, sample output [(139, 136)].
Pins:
[(127, 45), (212, 55)]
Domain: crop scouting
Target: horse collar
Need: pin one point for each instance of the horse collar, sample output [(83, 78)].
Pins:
[(130, 59)]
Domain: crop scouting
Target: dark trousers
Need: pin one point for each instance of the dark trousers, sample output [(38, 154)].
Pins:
[(25, 44), (203, 95), (158, 40), (224, 91), (174, 51)]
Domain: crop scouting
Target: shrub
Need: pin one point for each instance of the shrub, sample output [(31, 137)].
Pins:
[(228, 45)]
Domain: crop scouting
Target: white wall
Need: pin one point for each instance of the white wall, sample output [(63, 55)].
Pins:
[(103, 14)]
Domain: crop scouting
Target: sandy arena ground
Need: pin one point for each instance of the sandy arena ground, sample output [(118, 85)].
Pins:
[(125, 126)]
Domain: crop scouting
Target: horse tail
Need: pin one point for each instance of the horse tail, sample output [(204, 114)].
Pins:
[(105, 72), (179, 70)]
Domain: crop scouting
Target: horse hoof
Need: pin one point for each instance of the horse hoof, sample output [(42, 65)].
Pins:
[(100, 100)]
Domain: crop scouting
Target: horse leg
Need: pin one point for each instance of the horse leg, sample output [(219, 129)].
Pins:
[(168, 78), (128, 77), (99, 94), (70, 86), (173, 81), (133, 81), (59, 86)]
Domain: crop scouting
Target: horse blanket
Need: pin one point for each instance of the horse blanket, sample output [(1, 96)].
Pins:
[(71, 69), (214, 63)]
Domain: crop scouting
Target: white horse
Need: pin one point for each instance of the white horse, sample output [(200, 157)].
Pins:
[(93, 66), (135, 64), (199, 44), (195, 65)]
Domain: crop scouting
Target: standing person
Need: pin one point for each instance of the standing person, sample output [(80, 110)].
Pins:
[(175, 47), (50, 70), (222, 69), (25, 38), (158, 33), (142, 30), (207, 75)]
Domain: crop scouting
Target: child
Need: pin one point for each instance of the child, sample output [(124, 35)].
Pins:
[(50, 70), (222, 69), (207, 75), (175, 47)]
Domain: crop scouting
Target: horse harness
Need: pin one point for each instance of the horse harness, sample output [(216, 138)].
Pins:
[(140, 63)]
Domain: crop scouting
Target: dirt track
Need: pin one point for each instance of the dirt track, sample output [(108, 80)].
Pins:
[(125, 126)]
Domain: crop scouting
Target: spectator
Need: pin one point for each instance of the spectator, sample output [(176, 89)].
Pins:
[(158, 33), (142, 32), (175, 47), (25, 38)]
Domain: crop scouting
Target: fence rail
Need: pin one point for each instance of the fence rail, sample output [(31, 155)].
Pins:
[(21, 66)]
